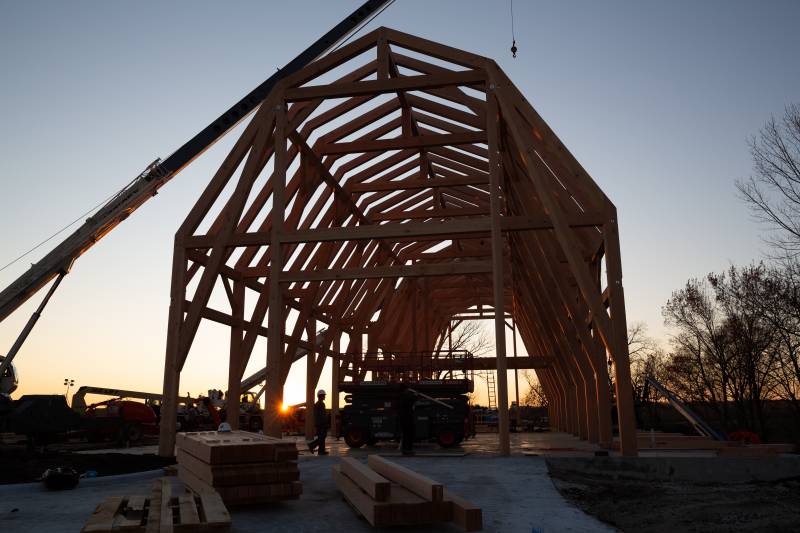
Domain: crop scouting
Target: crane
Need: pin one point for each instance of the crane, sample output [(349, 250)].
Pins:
[(58, 262)]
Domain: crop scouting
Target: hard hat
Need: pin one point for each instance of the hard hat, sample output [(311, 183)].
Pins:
[(321, 392), (224, 428)]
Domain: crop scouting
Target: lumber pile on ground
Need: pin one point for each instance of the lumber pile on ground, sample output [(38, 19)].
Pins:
[(160, 512), (244, 468), (388, 494)]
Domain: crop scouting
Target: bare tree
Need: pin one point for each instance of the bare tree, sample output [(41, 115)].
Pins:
[(647, 359), (535, 396), (471, 336), (727, 349), (703, 369), (773, 190)]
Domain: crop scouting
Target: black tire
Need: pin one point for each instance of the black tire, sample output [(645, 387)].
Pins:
[(355, 437), (448, 438), (134, 432), (256, 424)]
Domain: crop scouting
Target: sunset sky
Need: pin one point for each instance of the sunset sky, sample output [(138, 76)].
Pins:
[(655, 99)]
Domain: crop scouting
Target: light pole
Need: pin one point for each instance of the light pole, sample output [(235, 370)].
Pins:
[(68, 383)]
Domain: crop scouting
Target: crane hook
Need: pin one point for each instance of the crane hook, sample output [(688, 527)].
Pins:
[(513, 37)]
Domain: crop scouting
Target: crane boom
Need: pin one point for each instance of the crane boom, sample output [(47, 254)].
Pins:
[(146, 185)]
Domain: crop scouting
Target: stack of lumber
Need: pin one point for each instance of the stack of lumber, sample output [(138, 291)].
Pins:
[(388, 494), (244, 468), (161, 512)]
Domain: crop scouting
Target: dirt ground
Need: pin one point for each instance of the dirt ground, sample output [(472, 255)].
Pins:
[(17, 465), (667, 507)]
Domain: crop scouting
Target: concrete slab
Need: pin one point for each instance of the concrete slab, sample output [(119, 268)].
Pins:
[(688, 468), (516, 495), (545, 443), (30, 507)]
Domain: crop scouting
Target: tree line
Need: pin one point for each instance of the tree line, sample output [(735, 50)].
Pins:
[(736, 334), (735, 343)]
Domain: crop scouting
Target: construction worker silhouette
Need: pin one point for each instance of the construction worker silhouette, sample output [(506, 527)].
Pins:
[(321, 424)]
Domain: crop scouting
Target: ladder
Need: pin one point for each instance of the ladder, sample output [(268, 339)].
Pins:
[(491, 389)]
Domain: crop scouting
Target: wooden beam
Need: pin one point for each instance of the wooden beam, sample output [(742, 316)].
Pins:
[(389, 231), (430, 213), (374, 484), (415, 183), (375, 87), (498, 244), (402, 143), (466, 515), (275, 318), (417, 483), (476, 363), (388, 271)]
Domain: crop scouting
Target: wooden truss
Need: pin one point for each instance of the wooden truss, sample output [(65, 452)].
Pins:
[(378, 193)]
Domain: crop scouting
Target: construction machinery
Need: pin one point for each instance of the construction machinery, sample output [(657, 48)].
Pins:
[(250, 412), (47, 415), (125, 421), (79, 398), (441, 412), (58, 262), (8, 379)]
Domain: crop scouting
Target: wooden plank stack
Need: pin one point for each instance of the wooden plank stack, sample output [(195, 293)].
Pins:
[(244, 468), (160, 513), (388, 494)]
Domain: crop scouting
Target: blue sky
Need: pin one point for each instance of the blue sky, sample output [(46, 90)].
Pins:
[(655, 99)]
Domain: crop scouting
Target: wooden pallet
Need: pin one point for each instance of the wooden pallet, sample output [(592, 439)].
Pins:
[(160, 512), (388, 494)]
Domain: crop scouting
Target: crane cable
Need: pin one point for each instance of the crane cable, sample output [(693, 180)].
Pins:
[(51, 237), (62, 230), (513, 38)]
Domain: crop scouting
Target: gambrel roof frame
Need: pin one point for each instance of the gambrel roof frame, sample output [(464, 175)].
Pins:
[(381, 191)]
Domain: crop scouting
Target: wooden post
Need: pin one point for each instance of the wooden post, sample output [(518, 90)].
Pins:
[(619, 352), (172, 366), (276, 324), (310, 384), (335, 371), (497, 272), (603, 395), (236, 363), (516, 372)]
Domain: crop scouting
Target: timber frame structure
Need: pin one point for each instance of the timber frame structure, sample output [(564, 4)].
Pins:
[(381, 191)]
